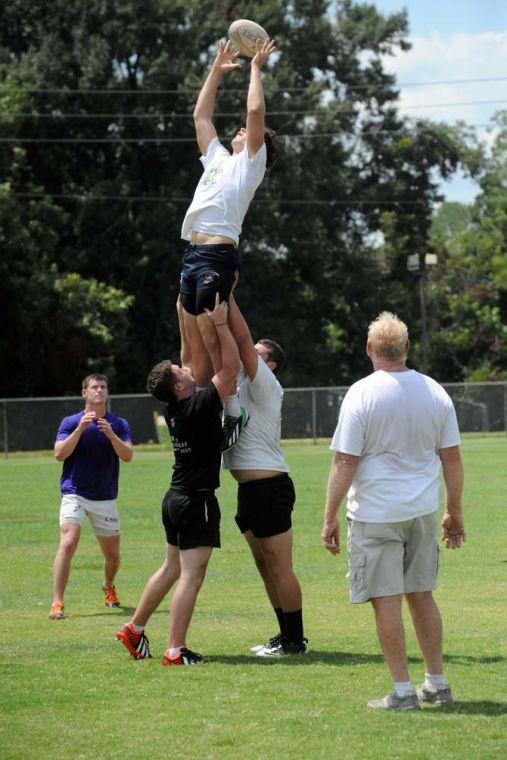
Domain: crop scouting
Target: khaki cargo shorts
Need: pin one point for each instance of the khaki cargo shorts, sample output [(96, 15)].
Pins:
[(386, 559)]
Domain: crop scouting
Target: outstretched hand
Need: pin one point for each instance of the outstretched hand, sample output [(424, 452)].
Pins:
[(226, 58), (263, 50)]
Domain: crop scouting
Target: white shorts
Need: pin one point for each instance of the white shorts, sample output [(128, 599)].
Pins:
[(103, 515)]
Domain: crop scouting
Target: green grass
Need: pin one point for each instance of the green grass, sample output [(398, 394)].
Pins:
[(70, 691)]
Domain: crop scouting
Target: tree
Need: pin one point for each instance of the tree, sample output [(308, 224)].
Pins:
[(351, 167)]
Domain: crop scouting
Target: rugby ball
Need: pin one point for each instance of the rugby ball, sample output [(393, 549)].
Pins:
[(244, 35)]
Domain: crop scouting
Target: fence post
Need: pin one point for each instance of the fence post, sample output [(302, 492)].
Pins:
[(6, 432), (314, 416)]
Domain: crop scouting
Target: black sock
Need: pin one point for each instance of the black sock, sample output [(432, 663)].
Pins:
[(281, 619), (294, 625)]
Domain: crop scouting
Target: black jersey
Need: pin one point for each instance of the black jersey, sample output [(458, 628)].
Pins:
[(195, 427)]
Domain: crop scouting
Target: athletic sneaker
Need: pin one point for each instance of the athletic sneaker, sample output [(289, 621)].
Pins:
[(394, 702), (232, 428), (111, 597), (57, 611), (185, 657), (284, 648), (136, 642), (442, 696), (274, 641)]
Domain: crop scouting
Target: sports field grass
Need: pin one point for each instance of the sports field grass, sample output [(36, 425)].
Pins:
[(70, 691)]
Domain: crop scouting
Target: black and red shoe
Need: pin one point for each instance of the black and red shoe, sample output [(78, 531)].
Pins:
[(185, 657), (136, 643)]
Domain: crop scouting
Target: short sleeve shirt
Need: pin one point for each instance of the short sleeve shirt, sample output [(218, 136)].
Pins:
[(93, 467), (195, 427), (224, 192), (396, 422), (258, 447)]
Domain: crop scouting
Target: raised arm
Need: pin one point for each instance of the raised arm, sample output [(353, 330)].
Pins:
[(255, 106), (185, 351), (242, 336), (203, 112), (225, 379)]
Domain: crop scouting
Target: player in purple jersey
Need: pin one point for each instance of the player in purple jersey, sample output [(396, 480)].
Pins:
[(90, 444)]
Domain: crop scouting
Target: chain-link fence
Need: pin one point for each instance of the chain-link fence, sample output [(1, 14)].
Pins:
[(30, 424)]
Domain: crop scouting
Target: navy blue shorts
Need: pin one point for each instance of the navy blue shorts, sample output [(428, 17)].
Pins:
[(206, 270)]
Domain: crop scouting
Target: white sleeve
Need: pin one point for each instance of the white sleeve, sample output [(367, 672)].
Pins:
[(264, 384), (349, 434), (449, 435), (214, 148)]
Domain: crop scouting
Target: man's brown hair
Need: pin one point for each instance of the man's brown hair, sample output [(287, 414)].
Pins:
[(272, 151), (89, 378), (161, 382), (275, 353)]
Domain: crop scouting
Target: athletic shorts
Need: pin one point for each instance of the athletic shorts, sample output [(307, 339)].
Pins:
[(206, 270), (103, 515), (191, 519), (386, 559), (265, 506)]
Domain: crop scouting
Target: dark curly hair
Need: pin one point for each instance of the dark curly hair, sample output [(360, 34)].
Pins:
[(161, 382), (272, 150)]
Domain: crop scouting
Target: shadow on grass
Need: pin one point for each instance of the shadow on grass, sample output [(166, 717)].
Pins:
[(483, 707), (115, 612)]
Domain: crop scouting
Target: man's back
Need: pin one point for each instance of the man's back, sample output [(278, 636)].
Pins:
[(396, 422)]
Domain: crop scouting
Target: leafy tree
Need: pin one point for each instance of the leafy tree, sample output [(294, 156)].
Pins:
[(351, 169), (468, 291)]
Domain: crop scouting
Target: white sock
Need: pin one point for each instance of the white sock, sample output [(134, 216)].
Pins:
[(174, 651), (138, 628), (402, 688), (434, 683), (232, 406)]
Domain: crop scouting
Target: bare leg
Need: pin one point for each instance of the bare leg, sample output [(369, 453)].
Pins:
[(202, 368), (158, 586), (69, 539), (392, 634), (428, 628), (110, 546), (277, 551), (263, 569), (210, 340), (193, 570)]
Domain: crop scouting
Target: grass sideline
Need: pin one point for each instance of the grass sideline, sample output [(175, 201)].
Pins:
[(68, 690)]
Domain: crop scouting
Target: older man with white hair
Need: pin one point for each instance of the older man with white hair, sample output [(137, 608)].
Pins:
[(396, 426)]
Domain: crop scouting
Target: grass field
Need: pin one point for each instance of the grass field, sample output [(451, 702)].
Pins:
[(70, 691)]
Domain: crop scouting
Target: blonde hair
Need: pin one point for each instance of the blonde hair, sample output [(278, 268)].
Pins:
[(388, 336)]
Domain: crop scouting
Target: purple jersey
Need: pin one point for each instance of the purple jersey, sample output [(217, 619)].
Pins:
[(93, 467)]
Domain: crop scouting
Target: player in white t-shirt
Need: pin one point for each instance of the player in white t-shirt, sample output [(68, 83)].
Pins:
[(395, 428), (213, 222), (265, 490)]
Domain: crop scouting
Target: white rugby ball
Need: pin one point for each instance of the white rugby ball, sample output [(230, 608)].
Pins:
[(244, 35)]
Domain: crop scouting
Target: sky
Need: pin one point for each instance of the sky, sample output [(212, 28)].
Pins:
[(452, 40)]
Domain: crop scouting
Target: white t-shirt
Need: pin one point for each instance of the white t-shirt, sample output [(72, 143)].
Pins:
[(224, 192), (258, 447), (396, 422)]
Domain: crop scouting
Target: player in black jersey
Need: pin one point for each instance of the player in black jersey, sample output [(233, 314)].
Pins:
[(190, 510)]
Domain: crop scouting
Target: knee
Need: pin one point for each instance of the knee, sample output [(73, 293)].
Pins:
[(68, 545), (420, 598)]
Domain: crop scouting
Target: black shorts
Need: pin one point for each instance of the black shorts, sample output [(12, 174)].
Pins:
[(191, 519), (206, 270), (265, 506)]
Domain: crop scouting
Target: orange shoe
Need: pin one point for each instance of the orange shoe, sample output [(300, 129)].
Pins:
[(185, 657), (136, 643), (111, 597), (57, 611)]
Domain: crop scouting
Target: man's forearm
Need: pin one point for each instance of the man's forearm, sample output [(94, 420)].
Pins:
[(228, 348), (255, 98), (340, 478), (122, 448), (453, 479), (206, 101), (237, 324), (63, 449)]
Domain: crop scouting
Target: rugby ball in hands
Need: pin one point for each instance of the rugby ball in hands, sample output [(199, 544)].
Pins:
[(244, 35)]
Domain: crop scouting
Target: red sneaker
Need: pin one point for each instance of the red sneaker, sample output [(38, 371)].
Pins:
[(111, 597), (185, 657), (136, 643), (57, 611)]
